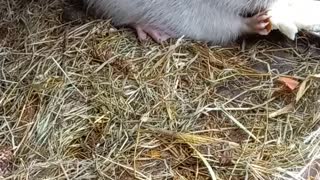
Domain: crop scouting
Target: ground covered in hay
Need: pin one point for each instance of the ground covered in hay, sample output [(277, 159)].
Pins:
[(87, 101)]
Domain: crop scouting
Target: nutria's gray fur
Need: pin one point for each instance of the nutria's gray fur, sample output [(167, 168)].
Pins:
[(216, 21)]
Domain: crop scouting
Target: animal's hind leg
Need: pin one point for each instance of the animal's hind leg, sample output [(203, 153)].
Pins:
[(157, 35)]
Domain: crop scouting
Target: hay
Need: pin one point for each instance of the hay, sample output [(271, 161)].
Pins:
[(88, 101)]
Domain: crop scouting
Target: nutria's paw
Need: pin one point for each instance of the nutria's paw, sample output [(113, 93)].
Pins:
[(144, 31), (259, 24)]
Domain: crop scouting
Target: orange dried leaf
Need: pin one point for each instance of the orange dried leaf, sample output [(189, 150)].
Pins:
[(289, 82), (155, 154)]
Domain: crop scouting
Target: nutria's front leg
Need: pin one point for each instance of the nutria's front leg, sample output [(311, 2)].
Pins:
[(257, 24)]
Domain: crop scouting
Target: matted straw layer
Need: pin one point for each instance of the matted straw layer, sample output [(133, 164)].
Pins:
[(89, 101)]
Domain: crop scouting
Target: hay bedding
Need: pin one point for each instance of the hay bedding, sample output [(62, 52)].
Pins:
[(87, 101)]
